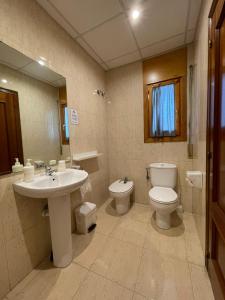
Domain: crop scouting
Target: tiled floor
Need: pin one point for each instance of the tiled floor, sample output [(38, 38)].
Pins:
[(126, 258)]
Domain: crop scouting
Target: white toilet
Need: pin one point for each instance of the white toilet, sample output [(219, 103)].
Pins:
[(121, 190), (162, 196)]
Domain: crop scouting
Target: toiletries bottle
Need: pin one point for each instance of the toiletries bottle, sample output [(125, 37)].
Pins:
[(61, 166), (18, 167), (28, 171)]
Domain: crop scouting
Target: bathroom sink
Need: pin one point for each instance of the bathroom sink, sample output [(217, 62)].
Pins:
[(46, 186), (57, 190)]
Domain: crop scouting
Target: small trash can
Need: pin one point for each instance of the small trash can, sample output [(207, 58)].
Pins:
[(86, 217)]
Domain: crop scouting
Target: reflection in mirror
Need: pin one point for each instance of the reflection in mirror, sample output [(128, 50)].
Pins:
[(33, 110)]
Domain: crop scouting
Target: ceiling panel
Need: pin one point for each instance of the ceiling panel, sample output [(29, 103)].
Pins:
[(89, 50), (84, 15), (59, 82), (106, 30), (41, 72), (190, 36), (12, 58), (163, 46), (112, 39), (59, 18), (123, 60), (134, 3), (194, 13), (160, 20)]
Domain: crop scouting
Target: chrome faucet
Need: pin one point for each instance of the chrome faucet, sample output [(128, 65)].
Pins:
[(125, 180), (49, 172)]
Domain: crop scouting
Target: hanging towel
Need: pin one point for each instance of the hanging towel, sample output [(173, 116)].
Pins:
[(85, 188)]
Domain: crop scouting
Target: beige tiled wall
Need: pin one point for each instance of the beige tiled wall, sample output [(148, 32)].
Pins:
[(24, 234), (38, 115), (128, 154), (199, 162)]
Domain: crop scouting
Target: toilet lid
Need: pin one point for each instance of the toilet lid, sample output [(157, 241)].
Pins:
[(163, 195), (121, 187)]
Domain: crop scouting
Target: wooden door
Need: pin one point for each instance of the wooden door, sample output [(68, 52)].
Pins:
[(215, 237), (10, 131)]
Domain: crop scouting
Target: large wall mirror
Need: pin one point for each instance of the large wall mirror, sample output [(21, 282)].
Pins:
[(33, 110)]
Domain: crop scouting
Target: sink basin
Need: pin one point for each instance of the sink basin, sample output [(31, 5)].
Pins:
[(44, 186), (57, 190)]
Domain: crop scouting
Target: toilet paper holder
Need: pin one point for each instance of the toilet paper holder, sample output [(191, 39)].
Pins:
[(194, 179)]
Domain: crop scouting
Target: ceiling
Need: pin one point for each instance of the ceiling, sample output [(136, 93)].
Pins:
[(105, 29), (17, 61)]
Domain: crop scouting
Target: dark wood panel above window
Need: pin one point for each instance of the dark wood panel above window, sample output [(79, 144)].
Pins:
[(165, 112)]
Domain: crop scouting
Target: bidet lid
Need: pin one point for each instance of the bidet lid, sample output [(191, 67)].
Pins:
[(121, 187), (163, 195)]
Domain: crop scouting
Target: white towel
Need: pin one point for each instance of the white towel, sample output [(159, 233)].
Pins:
[(85, 188)]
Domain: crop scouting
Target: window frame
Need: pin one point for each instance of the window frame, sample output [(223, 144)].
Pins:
[(180, 102)]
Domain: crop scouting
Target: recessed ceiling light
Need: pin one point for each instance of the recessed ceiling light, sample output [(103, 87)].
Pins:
[(135, 14), (3, 80), (41, 62)]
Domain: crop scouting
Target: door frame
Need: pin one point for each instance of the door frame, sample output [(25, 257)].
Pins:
[(212, 209), (17, 135)]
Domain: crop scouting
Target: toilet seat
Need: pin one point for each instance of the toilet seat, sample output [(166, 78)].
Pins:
[(121, 187), (163, 195)]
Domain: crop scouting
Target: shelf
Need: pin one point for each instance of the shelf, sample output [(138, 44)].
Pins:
[(86, 155)]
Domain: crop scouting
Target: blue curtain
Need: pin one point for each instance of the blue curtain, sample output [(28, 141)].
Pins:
[(163, 111)]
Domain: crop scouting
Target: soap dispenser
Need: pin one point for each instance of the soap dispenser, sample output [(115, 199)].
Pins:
[(18, 167), (28, 171)]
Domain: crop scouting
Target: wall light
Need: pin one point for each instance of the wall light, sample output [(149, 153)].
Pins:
[(3, 80)]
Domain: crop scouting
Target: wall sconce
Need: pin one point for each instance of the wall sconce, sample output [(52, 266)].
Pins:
[(102, 94), (99, 93)]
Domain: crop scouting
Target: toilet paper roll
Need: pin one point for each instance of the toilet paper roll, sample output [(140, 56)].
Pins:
[(194, 179)]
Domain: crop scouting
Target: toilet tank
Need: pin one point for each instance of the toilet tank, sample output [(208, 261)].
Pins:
[(163, 174)]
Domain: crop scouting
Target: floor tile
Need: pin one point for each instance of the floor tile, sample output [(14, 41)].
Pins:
[(119, 261), (129, 230), (98, 288), (140, 213), (126, 257), (53, 283), (189, 223), (194, 250), (165, 242), (106, 223), (201, 285), (87, 247), (19, 288), (162, 277), (108, 207)]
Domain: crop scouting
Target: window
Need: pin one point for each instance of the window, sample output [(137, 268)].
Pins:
[(163, 112)]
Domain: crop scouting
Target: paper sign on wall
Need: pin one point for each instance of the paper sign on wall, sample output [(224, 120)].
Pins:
[(74, 117)]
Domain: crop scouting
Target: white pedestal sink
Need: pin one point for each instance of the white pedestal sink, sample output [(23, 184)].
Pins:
[(57, 189)]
